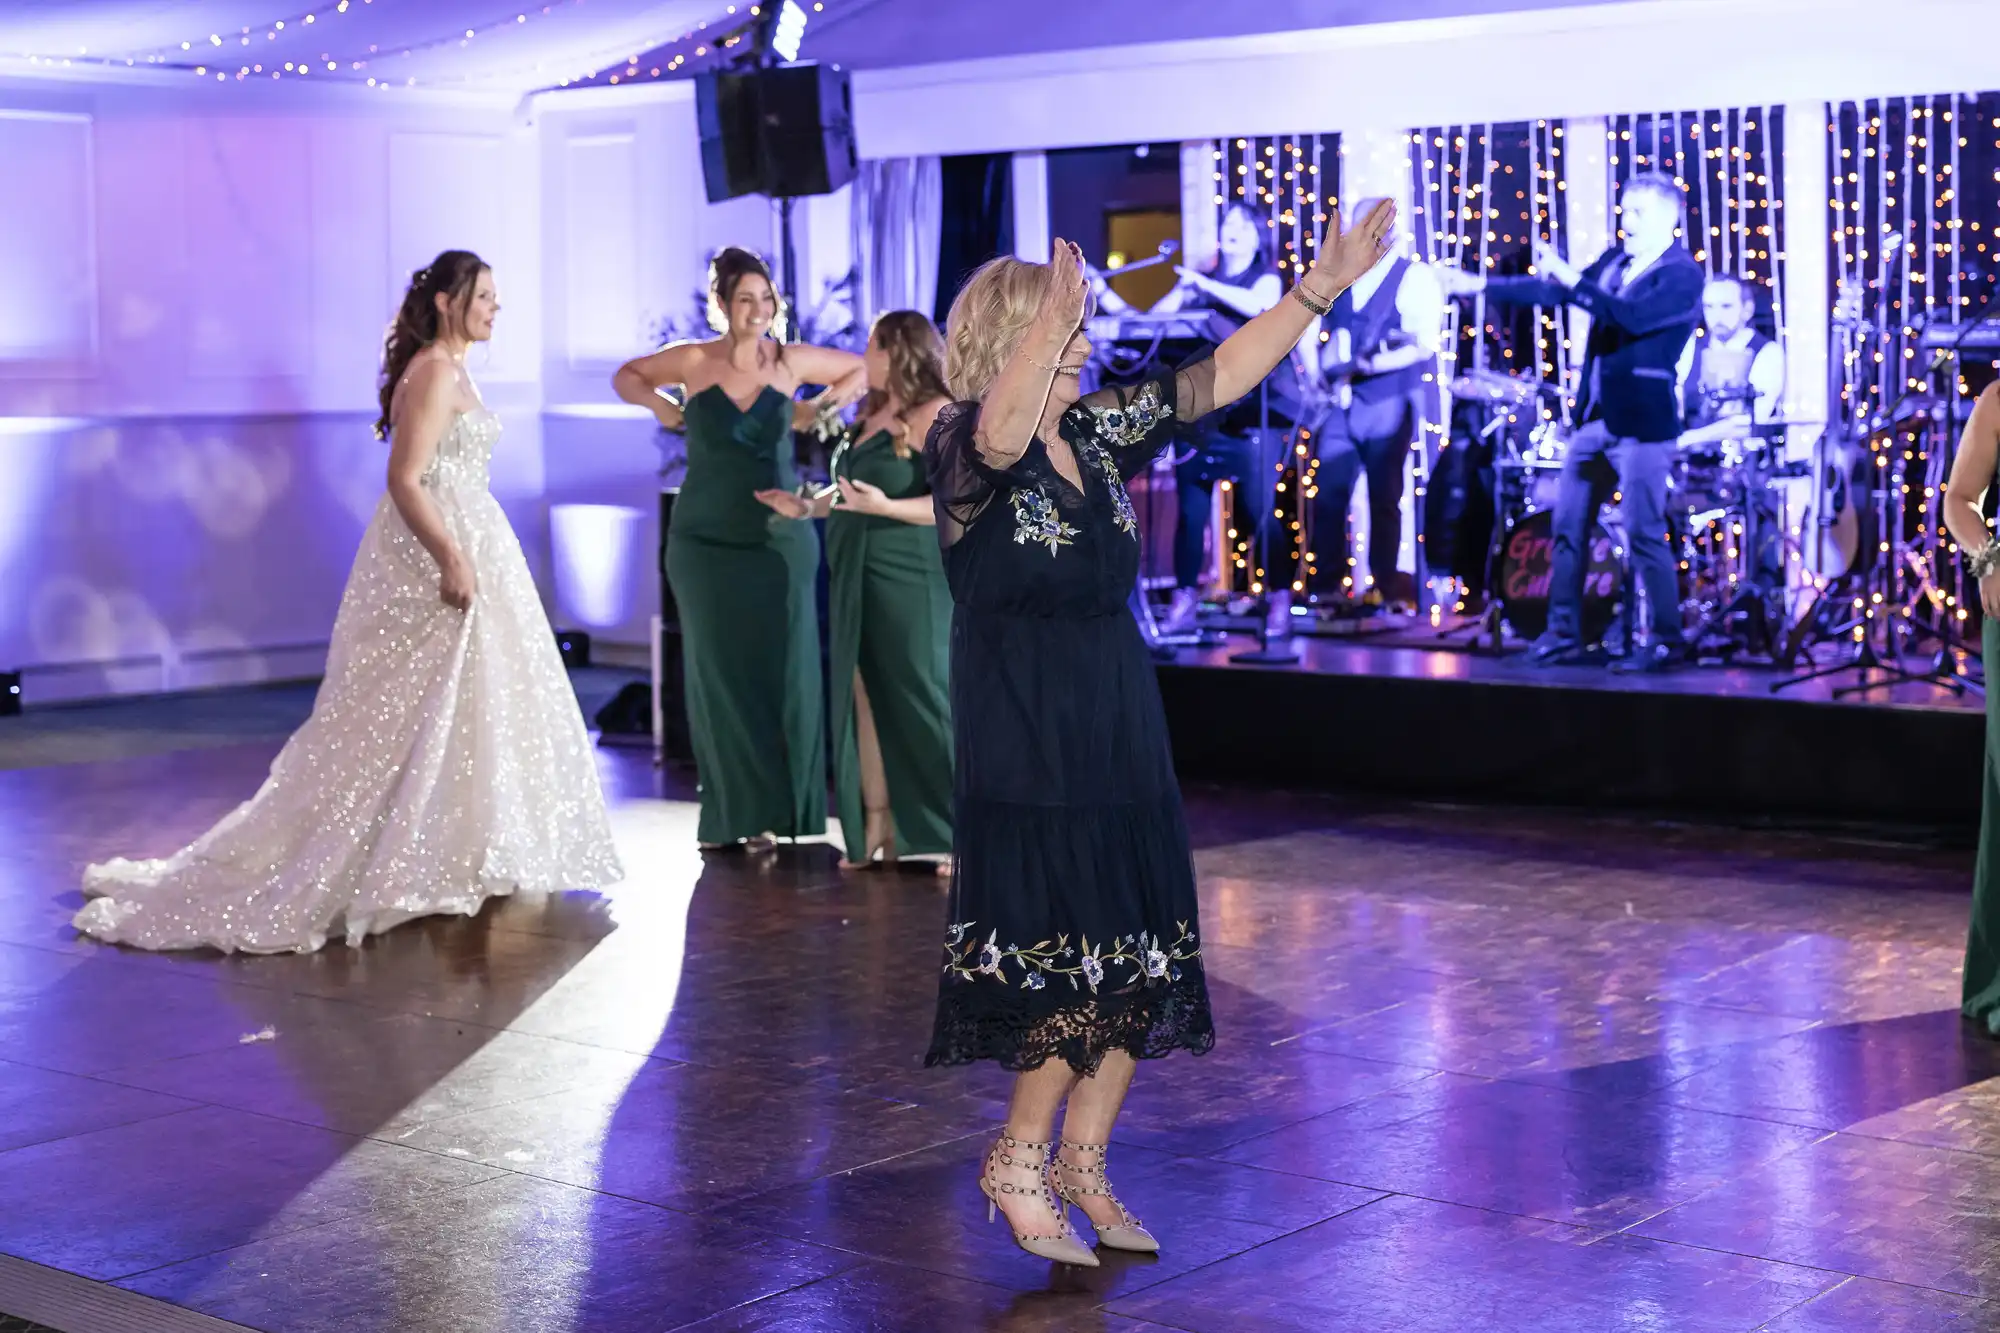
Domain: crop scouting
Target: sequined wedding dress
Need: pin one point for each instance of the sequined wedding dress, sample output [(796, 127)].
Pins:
[(445, 760)]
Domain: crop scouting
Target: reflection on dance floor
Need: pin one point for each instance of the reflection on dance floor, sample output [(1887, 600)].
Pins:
[(1476, 1070)]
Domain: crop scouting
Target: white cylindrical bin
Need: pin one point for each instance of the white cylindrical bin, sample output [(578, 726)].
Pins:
[(596, 552)]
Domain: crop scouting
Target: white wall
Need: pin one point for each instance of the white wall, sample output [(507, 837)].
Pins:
[(193, 289), (195, 292), (626, 230)]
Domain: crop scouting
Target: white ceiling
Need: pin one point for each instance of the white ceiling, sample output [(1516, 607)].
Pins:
[(390, 40), (546, 43), (876, 34)]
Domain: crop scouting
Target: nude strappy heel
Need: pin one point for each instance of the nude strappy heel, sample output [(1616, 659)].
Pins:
[(1127, 1234), (1062, 1247)]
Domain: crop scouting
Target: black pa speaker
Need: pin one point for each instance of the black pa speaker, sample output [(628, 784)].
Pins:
[(785, 131), (574, 646), (628, 714), (725, 111)]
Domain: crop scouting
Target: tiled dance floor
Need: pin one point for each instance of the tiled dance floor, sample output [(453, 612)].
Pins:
[(1477, 1071)]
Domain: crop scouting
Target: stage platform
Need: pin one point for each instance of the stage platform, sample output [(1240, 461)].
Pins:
[(1400, 712)]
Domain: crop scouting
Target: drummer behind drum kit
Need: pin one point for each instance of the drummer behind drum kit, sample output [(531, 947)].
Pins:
[(1856, 559), (1727, 502), (1747, 544)]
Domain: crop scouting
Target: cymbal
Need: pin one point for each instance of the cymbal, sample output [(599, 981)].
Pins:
[(1494, 386), (1773, 422)]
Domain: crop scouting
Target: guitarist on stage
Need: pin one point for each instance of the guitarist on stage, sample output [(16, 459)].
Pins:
[(1375, 354)]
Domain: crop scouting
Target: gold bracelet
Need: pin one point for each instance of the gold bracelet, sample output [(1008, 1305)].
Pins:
[(1311, 302), (1057, 369)]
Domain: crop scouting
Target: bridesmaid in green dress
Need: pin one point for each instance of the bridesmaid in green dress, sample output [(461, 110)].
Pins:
[(889, 609), (1972, 475), (743, 580)]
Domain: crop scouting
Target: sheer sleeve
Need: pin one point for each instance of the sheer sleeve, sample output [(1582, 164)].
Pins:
[(961, 482), (1134, 422)]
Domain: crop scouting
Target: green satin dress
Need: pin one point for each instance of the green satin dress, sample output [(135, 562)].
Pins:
[(889, 617), (742, 577), (1981, 998)]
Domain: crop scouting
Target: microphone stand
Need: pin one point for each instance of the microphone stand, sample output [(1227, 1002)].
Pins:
[(1946, 666), (1944, 670), (1269, 651)]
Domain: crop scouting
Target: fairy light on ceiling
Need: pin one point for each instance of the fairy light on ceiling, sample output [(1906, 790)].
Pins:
[(267, 51), (710, 44), (205, 53)]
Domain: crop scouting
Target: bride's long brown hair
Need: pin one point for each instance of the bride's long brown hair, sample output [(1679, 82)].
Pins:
[(454, 273), (916, 369)]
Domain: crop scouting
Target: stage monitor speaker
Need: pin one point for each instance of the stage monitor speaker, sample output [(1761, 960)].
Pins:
[(785, 131)]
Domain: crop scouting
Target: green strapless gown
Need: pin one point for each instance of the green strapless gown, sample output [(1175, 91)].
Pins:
[(743, 579), (889, 617)]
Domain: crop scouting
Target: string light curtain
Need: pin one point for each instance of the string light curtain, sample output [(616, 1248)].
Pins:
[(1915, 202), (1288, 182), (1483, 194), (1916, 219), (1730, 164)]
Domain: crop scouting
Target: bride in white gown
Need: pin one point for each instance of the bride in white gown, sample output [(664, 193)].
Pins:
[(445, 760)]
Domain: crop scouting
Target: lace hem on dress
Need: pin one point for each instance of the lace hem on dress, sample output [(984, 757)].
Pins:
[(990, 1022)]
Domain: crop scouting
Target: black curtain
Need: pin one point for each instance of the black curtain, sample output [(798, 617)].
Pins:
[(978, 222)]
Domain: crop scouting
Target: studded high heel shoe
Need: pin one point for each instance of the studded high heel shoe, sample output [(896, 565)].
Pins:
[(1127, 1234), (1062, 1247)]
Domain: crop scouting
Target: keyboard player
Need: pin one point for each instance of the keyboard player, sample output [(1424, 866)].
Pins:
[(1243, 444)]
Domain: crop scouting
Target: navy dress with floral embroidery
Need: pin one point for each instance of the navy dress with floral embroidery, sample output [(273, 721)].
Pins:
[(1072, 929)]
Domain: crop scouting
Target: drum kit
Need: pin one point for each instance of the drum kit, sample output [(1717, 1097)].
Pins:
[(1778, 553), (1729, 510)]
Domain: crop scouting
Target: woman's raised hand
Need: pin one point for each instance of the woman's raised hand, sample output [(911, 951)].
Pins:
[(1345, 255), (1061, 310)]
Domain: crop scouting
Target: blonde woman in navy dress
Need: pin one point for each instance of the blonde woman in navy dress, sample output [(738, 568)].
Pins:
[(1072, 948)]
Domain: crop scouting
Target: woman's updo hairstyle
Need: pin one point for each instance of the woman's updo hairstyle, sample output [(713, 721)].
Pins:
[(726, 272), (455, 273)]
